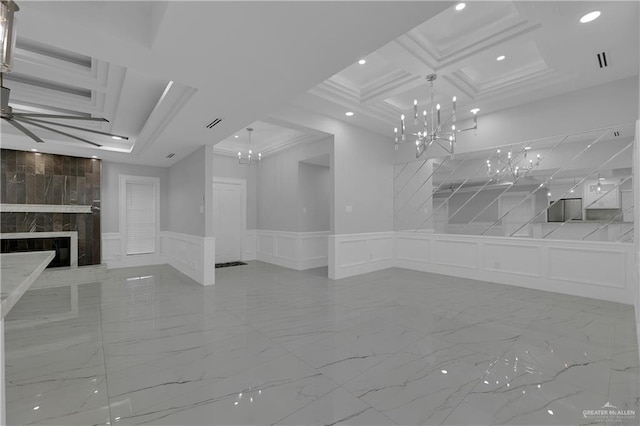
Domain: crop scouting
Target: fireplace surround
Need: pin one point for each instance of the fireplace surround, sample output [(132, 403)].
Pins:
[(45, 194)]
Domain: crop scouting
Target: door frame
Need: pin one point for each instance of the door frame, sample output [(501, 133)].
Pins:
[(242, 183)]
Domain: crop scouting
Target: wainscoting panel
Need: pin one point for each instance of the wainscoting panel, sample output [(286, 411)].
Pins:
[(455, 252), (356, 254), (111, 247), (410, 248), (514, 258), (294, 250), (114, 258), (593, 266), (192, 255), (599, 270)]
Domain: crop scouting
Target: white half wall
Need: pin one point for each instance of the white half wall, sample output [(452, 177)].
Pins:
[(294, 250), (192, 255), (113, 256), (598, 270), (356, 254)]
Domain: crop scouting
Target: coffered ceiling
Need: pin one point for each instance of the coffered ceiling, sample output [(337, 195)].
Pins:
[(546, 50), (163, 73)]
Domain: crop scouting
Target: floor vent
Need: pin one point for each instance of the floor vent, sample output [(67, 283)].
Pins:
[(171, 155), (602, 60), (213, 123)]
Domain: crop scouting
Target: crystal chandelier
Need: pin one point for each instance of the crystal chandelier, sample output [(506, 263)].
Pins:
[(500, 166), (429, 128), (249, 158)]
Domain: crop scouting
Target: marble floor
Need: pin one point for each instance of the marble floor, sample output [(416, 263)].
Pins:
[(268, 345)]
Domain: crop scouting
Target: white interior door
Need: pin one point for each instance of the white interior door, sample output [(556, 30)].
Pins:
[(229, 216)]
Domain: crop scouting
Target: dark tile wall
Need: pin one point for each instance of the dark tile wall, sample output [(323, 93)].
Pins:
[(37, 178)]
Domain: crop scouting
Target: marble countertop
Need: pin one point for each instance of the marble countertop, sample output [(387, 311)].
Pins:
[(17, 272)]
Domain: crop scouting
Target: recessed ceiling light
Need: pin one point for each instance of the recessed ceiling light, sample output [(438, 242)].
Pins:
[(116, 138), (236, 136), (500, 58), (460, 6), (475, 110), (591, 16), (349, 113), (362, 61), (526, 148)]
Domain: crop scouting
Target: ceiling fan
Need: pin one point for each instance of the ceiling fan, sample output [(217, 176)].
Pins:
[(20, 119)]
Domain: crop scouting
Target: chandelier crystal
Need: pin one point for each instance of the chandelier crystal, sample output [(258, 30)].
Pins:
[(249, 158), (430, 128)]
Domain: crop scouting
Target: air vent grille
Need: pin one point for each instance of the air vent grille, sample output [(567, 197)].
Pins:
[(602, 60), (171, 155), (616, 133), (213, 123)]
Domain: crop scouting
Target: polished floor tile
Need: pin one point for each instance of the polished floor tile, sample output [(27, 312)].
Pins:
[(269, 345)]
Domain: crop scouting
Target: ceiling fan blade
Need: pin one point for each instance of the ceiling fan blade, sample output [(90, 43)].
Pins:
[(27, 121), (25, 130), (66, 117), (76, 128)]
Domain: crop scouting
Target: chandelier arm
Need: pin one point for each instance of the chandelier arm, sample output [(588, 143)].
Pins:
[(76, 128), (65, 117), (32, 123), (24, 130)]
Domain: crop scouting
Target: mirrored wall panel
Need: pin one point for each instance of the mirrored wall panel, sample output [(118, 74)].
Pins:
[(576, 187)]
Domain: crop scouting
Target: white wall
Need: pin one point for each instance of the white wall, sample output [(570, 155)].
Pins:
[(362, 167), (110, 198), (187, 195), (278, 186), (314, 197)]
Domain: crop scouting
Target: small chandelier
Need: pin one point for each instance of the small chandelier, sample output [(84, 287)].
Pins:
[(499, 167), (249, 158), (429, 128)]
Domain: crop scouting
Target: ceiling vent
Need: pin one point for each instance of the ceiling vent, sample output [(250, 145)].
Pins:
[(171, 155), (602, 60), (213, 123)]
